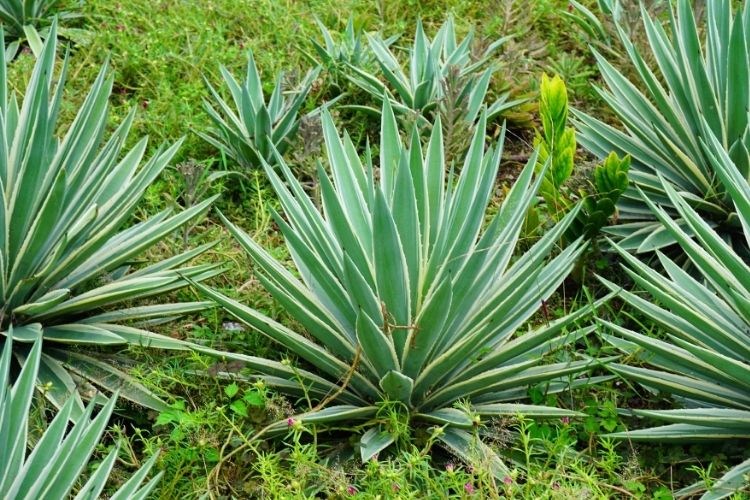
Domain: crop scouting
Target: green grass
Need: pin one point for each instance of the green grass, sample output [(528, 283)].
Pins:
[(160, 52)]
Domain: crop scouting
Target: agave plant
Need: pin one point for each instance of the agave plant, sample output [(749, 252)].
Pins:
[(255, 129), (664, 126), (67, 253), (420, 89), (349, 51), (58, 458), (407, 299), (15, 15), (705, 359), (624, 15), (590, 23)]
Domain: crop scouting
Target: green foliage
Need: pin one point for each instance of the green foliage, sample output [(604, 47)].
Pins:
[(590, 22), (705, 359), (557, 147), (556, 143), (410, 304), (255, 130), (302, 466), (64, 255), (350, 50), (600, 207), (553, 110), (59, 456), (29, 20), (242, 404), (568, 458), (159, 52), (612, 176), (692, 93), (613, 15)]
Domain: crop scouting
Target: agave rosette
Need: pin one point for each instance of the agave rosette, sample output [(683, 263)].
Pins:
[(255, 130), (66, 253), (351, 49), (694, 92), (705, 359), (404, 294), (56, 462), (18, 15)]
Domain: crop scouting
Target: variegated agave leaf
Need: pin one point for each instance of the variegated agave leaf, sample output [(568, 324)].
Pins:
[(17, 16), (420, 88), (56, 462), (253, 130)]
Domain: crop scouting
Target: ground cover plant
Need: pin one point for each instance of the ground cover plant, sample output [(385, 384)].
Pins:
[(240, 413)]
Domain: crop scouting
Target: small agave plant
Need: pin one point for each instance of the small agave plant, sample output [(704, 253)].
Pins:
[(29, 21), (407, 300), (619, 15), (704, 361), (58, 458), (420, 89), (255, 130), (351, 50), (67, 254)]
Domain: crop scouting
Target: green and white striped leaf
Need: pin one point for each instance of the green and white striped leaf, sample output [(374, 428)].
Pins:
[(420, 87), (57, 460), (705, 358), (255, 131)]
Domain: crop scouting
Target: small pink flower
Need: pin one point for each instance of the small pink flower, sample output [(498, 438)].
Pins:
[(351, 490), (449, 467), (469, 488), (290, 422), (565, 420), (507, 480)]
